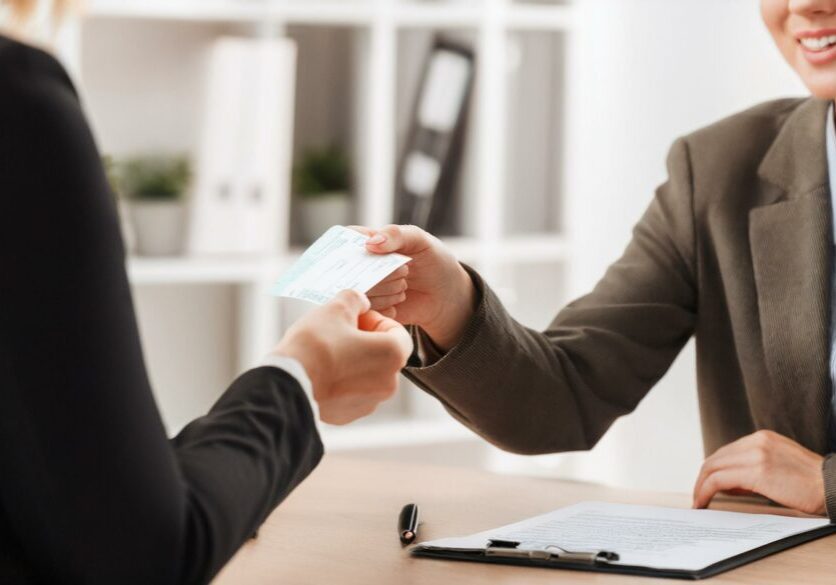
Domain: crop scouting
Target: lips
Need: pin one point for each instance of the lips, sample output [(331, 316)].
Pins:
[(818, 47)]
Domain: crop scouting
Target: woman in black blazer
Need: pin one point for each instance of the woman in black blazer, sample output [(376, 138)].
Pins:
[(91, 490)]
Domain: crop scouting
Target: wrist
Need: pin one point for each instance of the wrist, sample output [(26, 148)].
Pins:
[(305, 355), (449, 326)]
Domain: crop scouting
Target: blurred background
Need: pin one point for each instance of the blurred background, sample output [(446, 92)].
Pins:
[(530, 135)]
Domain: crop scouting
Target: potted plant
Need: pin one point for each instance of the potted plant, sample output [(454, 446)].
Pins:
[(156, 188), (321, 183)]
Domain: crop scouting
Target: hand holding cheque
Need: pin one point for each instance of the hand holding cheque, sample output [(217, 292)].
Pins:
[(433, 291), (351, 353)]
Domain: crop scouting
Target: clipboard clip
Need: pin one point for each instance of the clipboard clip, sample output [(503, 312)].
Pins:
[(551, 553)]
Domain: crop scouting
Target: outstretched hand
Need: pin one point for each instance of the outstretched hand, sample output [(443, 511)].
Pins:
[(433, 291), (352, 354)]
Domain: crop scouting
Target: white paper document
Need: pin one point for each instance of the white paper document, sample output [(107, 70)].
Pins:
[(337, 261), (643, 536)]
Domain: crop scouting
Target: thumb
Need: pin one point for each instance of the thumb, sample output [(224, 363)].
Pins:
[(374, 322), (406, 239), (349, 303)]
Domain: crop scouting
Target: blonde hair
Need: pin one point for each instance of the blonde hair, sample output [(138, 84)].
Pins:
[(23, 10)]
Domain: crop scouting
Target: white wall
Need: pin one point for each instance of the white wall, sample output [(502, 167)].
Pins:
[(142, 84), (645, 72)]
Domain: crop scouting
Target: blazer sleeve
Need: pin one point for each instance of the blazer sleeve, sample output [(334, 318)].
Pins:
[(560, 390), (829, 474), (92, 490)]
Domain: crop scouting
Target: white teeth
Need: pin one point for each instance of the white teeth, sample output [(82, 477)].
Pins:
[(818, 43)]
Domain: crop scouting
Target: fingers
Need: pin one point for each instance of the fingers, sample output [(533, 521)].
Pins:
[(397, 343), (407, 239), (768, 464), (395, 284), (721, 456), (747, 458), (729, 460), (347, 403), (404, 339), (723, 480), (342, 412), (734, 446), (349, 303), (384, 289), (375, 322), (385, 302), (399, 274), (367, 371)]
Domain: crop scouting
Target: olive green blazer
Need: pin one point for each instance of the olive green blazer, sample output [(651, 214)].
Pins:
[(735, 248)]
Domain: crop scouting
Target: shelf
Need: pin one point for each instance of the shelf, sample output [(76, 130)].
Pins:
[(313, 12), (525, 249), (328, 12), (540, 17), (387, 40), (187, 10), (185, 270), (242, 270), (394, 434), (413, 15)]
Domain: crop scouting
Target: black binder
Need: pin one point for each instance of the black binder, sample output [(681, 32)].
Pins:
[(430, 162), (505, 552)]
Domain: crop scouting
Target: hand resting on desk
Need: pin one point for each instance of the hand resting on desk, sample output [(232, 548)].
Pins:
[(768, 464)]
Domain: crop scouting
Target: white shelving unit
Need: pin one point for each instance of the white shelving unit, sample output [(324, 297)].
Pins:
[(499, 30), (150, 271), (435, 14)]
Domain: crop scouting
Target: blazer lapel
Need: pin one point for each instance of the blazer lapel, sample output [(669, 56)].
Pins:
[(791, 256)]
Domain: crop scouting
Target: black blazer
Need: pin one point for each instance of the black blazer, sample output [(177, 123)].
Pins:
[(91, 490)]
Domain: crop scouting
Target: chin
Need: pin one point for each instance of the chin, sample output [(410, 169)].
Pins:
[(821, 88), (820, 80)]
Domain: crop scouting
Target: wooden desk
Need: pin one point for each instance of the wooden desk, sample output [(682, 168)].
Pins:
[(340, 527)]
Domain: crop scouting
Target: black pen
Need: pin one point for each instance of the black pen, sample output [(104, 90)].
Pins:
[(408, 524)]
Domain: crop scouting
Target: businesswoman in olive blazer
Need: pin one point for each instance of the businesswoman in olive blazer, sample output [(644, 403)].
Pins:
[(736, 248), (91, 490)]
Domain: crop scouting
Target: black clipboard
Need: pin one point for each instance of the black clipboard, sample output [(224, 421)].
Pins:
[(602, 561)]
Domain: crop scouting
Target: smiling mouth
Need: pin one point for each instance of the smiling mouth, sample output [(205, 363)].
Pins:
[(817, 44)]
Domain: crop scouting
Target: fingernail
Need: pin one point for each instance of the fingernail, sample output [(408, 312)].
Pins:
[(376, 239)]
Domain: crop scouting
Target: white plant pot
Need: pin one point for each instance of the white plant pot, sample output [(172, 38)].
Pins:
[(320, 212), (158, 227), (126, 224)]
